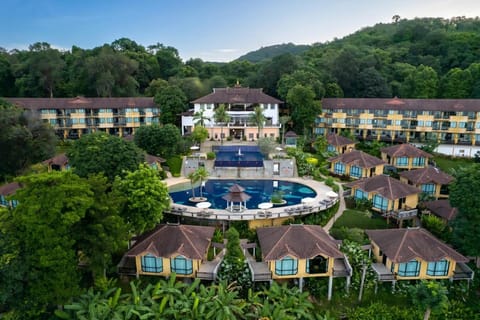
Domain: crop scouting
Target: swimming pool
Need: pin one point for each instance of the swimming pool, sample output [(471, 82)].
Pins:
[(238, 156), (259, 190)]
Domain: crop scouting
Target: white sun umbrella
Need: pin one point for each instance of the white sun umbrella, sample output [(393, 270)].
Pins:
[(204, 205), (308, 200), (331, 194)]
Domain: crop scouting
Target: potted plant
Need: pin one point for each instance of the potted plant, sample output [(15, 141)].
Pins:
[(277, 198)]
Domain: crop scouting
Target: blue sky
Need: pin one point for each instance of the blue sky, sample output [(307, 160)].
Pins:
[(210, 29)]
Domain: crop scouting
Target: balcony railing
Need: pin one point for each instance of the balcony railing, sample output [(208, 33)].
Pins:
[(401, 214)]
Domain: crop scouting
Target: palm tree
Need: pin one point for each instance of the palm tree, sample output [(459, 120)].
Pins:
[(258, 118), (221, 116), (193, 179), (200, 118), (283, 122), (201, 174)]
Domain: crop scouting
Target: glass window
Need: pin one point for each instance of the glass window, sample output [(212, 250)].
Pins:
[(380, 202), (419, 161), (3, 201), (438, 268), (316, 265), (286, 266), (402, 161), (355, 171), (181, 265), (339, 168), (409, 269), (330, 148), (360, 194), (428, 188), (151, 263)]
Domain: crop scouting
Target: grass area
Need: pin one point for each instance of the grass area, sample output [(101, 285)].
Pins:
[(447, 163), (360, 219)]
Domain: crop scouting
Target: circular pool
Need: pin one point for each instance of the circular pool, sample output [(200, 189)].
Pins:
[(259, 191)]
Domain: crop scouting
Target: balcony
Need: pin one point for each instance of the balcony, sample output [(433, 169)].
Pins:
[(383, 274), (401, 214), (342, 268), (462, 272)]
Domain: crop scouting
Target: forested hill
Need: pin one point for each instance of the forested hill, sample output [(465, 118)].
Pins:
[(269, 52), (420, 58)]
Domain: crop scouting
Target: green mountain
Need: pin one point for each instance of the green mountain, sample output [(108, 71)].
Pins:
[(266, 53)]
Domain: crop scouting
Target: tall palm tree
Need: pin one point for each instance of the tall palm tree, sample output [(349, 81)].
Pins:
[(200, 118), (283, 121), (201, 174), (258, 118), (221, 116)]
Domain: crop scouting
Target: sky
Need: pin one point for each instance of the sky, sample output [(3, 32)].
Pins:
[(211, 30)]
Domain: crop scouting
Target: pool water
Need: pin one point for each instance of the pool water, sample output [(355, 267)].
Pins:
[(259, 190), (238, 156)]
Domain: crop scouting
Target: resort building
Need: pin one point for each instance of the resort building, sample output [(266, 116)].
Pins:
[(389, 196), (441, 208), (356, 164), (240, 104), (72, 117), (414, 254), (430, 180), (405, 156), (302, 251), (170, 248), (58, 163), (339, 144), (447, 121), (6, 191)]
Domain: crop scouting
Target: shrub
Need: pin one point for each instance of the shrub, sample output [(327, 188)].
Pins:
[(434, 224), (352, 234), (175, 165), (210, 155)]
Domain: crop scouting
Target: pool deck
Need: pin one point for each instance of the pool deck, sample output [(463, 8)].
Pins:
[(321, 202)]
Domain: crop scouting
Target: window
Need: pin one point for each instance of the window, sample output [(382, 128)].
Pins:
[(330, 148), (419, 161), (402, 161), (339, 168), (3, 201), (355, 171), (151, 263), (380, 202), (438, 268), (409, 269), (317, 265), (360, 194), (428, 188), (181, 265), (286, 266)]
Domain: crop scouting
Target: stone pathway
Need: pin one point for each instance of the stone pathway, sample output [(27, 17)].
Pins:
[(339, 212)]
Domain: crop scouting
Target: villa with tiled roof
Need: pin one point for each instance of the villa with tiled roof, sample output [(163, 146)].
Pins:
[(430, 180), (405, 156), (339, 144), (356, 164), (442, 209), (6, 191)]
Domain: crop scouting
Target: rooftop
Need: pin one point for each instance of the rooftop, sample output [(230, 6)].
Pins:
[(237, 95), (338, 141), (405, 150), (442, 208), (386, 186), (427, 175), (358, 158), (82, 102)]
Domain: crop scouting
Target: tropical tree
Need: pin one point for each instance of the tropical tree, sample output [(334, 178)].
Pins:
[(201, 174), (146, 198), (221, 116), (430, 296), (283, 121), (199, 117), (305, 108), (199, 134), (172, 102), (160, 140), (258, 119)]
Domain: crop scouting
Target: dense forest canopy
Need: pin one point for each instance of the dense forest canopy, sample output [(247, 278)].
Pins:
[(420, 58)]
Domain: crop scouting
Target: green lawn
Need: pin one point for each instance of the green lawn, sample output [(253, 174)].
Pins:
[(359, 219), (447, 163)]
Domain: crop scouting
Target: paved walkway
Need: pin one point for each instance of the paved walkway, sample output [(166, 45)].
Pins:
[(339, 212)]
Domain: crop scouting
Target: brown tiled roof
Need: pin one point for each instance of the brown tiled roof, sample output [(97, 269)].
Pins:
[(169, 239), (299, 241), (386, 186), (59, 160), (151, 159), (338, 141), (9, 188), (403, 245), (405, 150), (237, 95), (290, 134), (236, 194), (402, 104), (442, 208), (81, 102), (358, 158), (427, 175)]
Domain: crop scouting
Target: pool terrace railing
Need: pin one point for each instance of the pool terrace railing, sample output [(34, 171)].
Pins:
[(251, 214)]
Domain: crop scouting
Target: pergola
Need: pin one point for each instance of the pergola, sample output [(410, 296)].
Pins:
[(236, 195)]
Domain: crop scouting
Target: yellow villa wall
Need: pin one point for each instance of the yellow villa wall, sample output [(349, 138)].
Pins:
[(423, 266), (409, 166), (411, 201), (365, 172), (259, 223), (438, 187), (167, 268), (302, 267), (344, 149)]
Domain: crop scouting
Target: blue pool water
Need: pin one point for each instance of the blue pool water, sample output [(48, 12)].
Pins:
[(238, 156), (259, 190)]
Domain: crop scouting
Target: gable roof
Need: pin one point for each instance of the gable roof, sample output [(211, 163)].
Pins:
[(9, 188), (152, 159), (237, 95), (82, 102), (427, 175), (386, 186), (403, 245), (168, 239), (299, 241), (59, 160), (402, 104), (358, 158), (405, 150), (441, 208), (338, 141)]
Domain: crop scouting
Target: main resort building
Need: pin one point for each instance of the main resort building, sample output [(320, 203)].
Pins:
[(447, 121), (72, 117), (240, 104)]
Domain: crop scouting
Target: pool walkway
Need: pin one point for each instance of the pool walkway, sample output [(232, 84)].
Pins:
[(319, 203)]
